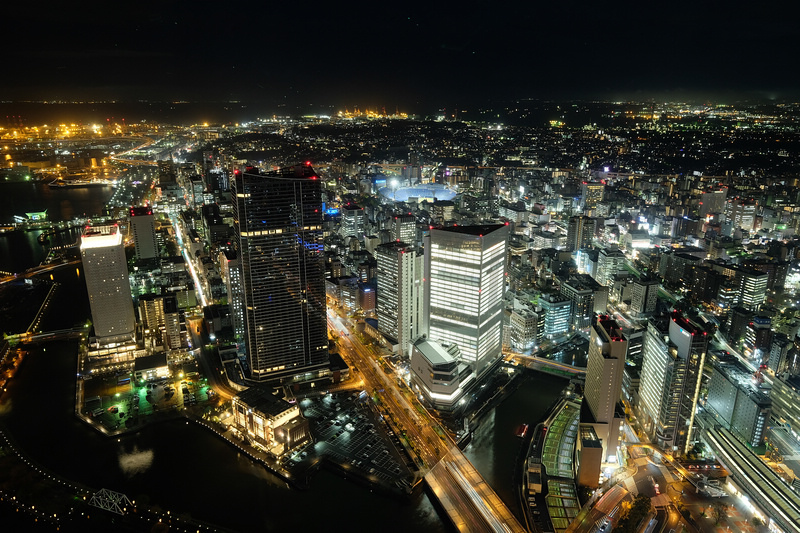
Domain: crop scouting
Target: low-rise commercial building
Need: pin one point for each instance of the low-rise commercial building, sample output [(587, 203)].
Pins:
[(269, 422)]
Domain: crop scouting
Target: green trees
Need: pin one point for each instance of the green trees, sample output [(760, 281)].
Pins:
[(718, 509), (631, 519)]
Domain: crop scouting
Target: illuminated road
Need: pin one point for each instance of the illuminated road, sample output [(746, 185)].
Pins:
[(198, 286), (426, 442), (470, 502)]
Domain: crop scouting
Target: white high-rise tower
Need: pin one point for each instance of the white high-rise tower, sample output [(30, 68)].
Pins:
[(465, 268), (106, 273)]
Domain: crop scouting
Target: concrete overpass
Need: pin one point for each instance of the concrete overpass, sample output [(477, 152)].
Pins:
[(469, 501)]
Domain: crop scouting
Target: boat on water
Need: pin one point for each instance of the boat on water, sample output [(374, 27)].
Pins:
[(522, 431), (80, 183)]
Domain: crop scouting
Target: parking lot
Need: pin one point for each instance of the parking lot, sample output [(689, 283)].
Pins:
[(118, 404), (350, 433)]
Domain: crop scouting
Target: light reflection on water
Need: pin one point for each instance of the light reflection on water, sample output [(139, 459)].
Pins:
[(135, 462)]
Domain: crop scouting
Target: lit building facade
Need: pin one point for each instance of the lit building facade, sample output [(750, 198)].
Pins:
[(106, 274), (605, 367), (557, 315), (465, 269), (401, 291), (439, 374), (592, 194), (354, 222), (144, 232), (270, 423), (580, 232), (232, 277), (404, 228), (610, 262), (786, 402), (738, 403), (278, 233), (674, 354), (644, 297)]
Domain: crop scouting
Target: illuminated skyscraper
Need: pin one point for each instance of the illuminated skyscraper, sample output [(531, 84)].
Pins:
[(674, 354), (605, 367), (278, 232), (400, 294), (465, 266), (106, 273), (404, 228), (592, 194), (144, 232)]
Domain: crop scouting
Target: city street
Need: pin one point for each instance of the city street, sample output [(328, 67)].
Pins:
[(419, 430)]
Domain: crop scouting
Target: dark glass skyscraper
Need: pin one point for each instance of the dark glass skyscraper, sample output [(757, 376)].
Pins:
[(278, 228)]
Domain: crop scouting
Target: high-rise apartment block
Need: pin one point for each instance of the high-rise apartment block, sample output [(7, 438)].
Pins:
[(106, 273), (580, 232), (278, 233)]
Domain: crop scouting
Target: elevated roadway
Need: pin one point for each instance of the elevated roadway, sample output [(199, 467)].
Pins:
[(470, 503), (765, 489)]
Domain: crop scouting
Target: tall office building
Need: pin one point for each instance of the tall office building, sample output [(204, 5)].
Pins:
[(588, 297), (232, 277), (404, 228), (778, 353), (738, 403), (752, 288), (278, 233), (605, 366), (400, 299), (144, 232), (525, 329), (557, 315), (106, 273), (354, 222), (742, 212), (465, 269), (713, 202), (672, 370)]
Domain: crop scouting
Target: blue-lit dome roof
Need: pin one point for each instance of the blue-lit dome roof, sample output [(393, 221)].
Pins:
[(427, 190)]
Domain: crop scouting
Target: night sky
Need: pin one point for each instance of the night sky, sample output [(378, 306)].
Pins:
[(398, 54)]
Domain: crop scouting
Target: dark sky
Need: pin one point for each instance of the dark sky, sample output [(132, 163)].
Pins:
[(403, 54)]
